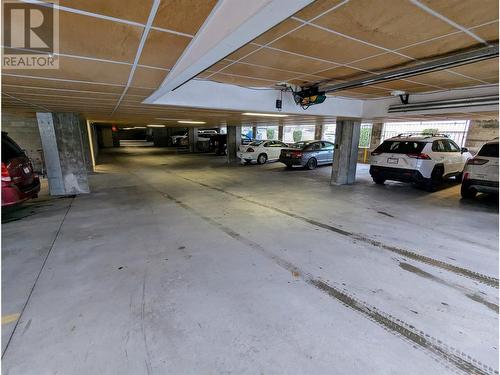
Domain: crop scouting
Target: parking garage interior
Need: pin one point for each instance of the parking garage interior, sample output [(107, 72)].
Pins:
[(152, 247)]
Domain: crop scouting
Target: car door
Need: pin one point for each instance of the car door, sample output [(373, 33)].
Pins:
[(315, 151), (271, 150), (327, 149), (441, 156), (455, 155)]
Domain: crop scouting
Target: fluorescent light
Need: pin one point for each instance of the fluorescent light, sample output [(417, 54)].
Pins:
[(127, 128), (139, 127), (167, 119), (190, 122), (156, 126), (264, 114)]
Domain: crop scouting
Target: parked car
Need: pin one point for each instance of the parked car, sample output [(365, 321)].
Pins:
[(261, 151), (176, 139), (218, 143), (481, 172), (19, 181), (422, 159), (307, 154)]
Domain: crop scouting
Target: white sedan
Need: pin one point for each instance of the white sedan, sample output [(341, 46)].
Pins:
[(261, 151)]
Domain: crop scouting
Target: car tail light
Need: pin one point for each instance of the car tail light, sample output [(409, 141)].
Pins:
[(466, 176), (5, 174), (477, 161), (250, 149), (421, 156), (296, 154)]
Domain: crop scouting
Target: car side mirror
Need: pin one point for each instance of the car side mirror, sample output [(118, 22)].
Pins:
[(464, 149)]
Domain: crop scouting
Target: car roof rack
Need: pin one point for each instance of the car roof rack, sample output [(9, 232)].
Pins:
[(426, 135)]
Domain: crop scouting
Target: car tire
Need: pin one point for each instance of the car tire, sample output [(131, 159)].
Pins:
[(432, 184), (288, 166), (246, 162), (261, 159), (312, 164), (467, 192), (379, 180)]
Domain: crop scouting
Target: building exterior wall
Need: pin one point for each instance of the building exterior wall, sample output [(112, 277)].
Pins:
[(479, 132)]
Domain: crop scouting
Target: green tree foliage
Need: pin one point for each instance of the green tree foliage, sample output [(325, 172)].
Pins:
[(297, 135)]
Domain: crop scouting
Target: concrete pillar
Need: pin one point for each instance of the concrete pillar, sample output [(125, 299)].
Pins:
[(161, 137), (233, 142), (254, 132), (193, 139), (376, 134), (280, 133), (345, 154), (66, 151), (318, 131)]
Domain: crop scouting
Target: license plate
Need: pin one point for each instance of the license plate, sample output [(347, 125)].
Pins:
[(288, 154), (392, 160), (26, 170)]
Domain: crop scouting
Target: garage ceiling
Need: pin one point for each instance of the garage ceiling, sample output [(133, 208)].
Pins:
[(328, 40)]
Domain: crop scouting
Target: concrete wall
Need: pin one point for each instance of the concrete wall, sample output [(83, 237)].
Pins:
[(23, 129), (480, 132)]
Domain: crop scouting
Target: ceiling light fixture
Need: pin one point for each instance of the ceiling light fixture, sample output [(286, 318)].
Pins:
[(168, 119), (263, 114), (139, 127), (190, 122), (156, 126)]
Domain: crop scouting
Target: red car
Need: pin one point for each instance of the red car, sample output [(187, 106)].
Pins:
[(19, 182)]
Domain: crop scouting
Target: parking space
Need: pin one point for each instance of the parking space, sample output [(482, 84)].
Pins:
[(175, 254)]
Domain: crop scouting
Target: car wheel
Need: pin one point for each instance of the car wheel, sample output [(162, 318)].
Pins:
[(436, 179), (261, 159), (467, 192), (246, 162), (312, 163), (288, 166), (379, 180)]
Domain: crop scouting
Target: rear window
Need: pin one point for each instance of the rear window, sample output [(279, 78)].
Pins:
[(256, 143), (401, 147), (489, 150), (300, 144), (9, 149)]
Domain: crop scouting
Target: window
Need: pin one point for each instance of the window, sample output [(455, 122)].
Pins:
[(10, 150), (453, 146), (314, 147), (365, 135), (489, 150), (438, 146), (298, 133), (401, 147), (327, 145)]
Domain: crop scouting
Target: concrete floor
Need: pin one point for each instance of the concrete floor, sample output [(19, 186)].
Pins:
[(181, 264)]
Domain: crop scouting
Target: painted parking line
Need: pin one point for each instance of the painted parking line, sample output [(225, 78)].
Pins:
[(7, 319)]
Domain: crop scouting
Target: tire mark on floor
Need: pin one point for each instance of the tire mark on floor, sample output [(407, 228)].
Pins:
[(484, 279), (441, 352)]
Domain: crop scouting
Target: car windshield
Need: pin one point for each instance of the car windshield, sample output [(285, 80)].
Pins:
[(256, 143), (9, 149), (401, 147), (489, 150)]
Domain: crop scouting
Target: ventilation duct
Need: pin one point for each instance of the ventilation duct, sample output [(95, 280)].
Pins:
[(445, 104)]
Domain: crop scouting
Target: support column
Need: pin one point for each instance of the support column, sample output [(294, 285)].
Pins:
[(345, 154), (376, 136), (193, 139), (280, 133), (254, 132), (161, 137), (318, 131), (66, 151), (233, 142)]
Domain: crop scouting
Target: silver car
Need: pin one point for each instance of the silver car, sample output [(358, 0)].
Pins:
[(307, 154)]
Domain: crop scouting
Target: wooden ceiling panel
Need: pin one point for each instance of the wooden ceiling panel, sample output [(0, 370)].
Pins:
[(112, 8), (47, 83), (487, 32), (382, 62), (403, 85), (387, 23), (82, 70), (277, 31), (466, 13), (279, 60), (259, 72), (46, 91), (445, 80), (242, 52), (316, 8), (163, 49), (313, 42), (185, 16), (139, 91), (305, 80), (344, 73), (147, 77), (93, 37), (441, 46), (485, 70)]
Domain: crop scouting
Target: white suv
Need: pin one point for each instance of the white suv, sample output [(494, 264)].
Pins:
[(421, 159), (481, 172)]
